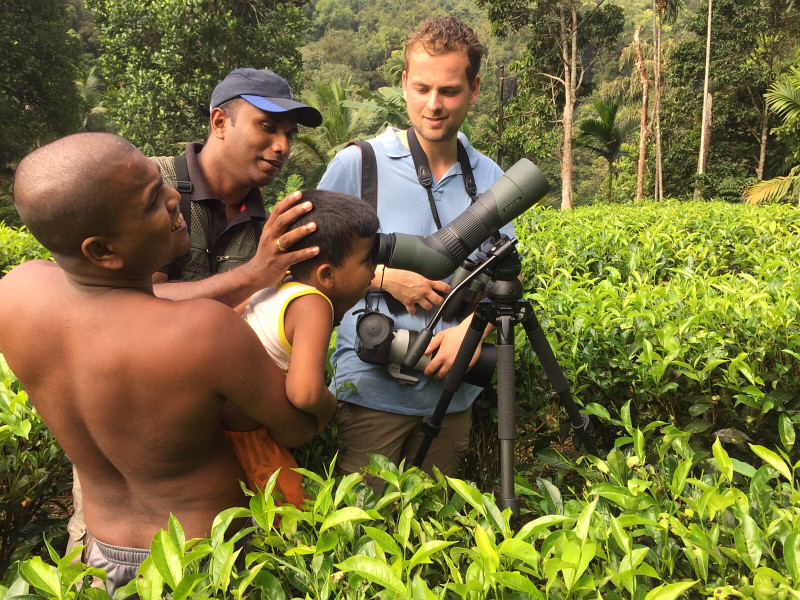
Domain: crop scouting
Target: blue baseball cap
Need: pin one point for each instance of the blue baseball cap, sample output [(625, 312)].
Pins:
[(265, 90)]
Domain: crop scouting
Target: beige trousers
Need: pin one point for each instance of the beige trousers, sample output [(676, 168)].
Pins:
[(398, 437)]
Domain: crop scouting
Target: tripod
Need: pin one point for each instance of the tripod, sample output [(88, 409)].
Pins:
[(504, 308)]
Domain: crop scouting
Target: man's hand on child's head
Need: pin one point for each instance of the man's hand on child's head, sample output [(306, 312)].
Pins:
[(274, 255)]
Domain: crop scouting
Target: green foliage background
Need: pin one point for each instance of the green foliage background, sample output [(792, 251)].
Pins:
[(162, 58), (38, 98)]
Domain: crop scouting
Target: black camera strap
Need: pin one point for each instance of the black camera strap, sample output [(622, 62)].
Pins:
[(425, 176), (184, 187)]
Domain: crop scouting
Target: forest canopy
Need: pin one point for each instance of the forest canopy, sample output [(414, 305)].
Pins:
[(140, 69)]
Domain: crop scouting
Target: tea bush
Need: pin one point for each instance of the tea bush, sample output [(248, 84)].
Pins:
[(656, 520), (669, 320), (34, 473), (16, 246), (689, 310)]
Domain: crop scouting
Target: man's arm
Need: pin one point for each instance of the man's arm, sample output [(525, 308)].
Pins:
[(308, 323), (265, 269), (246, 376)]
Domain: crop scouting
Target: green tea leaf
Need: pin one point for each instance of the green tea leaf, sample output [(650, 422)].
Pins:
[(222, 563), (723, 461), (791, 555), (345, 485), (327, 541), (486, 546), (625, 412), (223, 520), (582, 525), (470, 494), (748, 539), (166, 559), (679, 477), (424, 552), (149, 584), (519, 550), (187, 585), (375, 571), (669, 591), (775, 461), (516, 581), (349, 514), (41, 576), (420, 590), (551, 494), (537, 525), (383, 539), (620, 496), (786, 431), (404, 525)]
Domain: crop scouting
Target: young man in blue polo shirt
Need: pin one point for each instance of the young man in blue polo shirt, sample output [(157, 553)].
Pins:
[(381, 416)]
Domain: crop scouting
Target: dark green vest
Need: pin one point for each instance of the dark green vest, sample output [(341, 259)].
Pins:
[(203, 260)]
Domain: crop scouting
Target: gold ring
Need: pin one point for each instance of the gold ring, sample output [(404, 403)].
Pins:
[(278, 244)]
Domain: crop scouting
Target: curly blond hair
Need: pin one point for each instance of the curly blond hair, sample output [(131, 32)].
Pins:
[(440, 35)]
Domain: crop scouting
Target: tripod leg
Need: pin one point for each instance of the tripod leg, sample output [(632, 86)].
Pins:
[(432, 424), (582, 427), (506, 413)]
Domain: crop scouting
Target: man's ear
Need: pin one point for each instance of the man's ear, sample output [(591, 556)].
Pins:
[(474, 88), (218, 121), (325, 276), (102, 253)]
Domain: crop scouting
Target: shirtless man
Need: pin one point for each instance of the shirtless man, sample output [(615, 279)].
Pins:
[(132, 385)]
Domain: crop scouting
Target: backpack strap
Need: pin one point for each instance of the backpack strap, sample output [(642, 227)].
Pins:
[(369, 193), (369, 172), (184, 187)]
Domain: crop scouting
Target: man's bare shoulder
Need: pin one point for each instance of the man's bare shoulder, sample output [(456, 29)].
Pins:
[(206, 324), (30, 268), (25, 278)]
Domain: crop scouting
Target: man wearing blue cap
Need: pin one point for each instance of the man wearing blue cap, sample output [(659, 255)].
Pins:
[(253, 117)]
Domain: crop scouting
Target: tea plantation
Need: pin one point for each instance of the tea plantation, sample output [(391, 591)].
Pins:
[(676, 326)]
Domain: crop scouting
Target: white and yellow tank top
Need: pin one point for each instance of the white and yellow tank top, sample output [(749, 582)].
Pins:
[(266, 311)]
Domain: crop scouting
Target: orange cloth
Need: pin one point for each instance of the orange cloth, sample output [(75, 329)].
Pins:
[(259, 457)]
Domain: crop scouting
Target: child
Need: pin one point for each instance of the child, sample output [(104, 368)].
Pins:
[(294, 322)]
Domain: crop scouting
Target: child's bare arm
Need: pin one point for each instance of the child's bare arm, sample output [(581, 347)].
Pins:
[(308, 324)]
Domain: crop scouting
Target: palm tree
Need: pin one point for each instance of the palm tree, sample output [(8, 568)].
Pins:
[(343, 120), (605, 136), (783, 98), (91, 88)]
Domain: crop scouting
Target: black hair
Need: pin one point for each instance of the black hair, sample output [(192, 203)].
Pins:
[(62, 191), (341, 220), (229, 107)]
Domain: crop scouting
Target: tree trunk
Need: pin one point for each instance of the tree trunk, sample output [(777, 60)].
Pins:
[(610, 181), (762, 150), (500, 116), (705, 131), (644, 126), (658, 192), (570, 58)]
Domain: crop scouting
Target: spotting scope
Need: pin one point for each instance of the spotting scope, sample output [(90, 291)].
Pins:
[(437, 255)]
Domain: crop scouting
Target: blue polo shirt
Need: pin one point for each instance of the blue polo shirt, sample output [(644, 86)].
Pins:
[(403, 207)]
